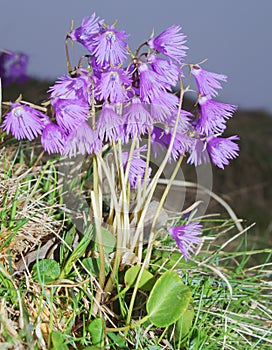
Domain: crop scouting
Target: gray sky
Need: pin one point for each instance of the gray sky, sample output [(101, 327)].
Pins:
[(235, 36)]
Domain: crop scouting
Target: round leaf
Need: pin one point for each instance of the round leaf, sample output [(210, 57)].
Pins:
[(96, 329), (146, 281), (46, 270), (168, 300)]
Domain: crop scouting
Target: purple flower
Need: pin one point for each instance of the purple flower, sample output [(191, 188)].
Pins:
[(184, 120), (137, 167), (198, 153), (53, 138), (168, 71), (170, 43), (109, 125), (137, 119), (23, 122), (164, 107), (151, 84), (161, 141), (109, 46), (71, 88), (84, 34), (13, 66), (82, 140), (186, 237), (70, 113), (213, 115), (112, 85), (207, 81), (222, 149)]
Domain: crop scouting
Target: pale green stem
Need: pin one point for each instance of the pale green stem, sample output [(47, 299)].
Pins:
[(161, 203), (150, 191), (96, 203)]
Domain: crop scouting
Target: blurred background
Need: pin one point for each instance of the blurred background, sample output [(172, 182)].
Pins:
[(235, 37)]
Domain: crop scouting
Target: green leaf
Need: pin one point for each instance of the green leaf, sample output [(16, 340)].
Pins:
[(109, 241), (168, 300), (147, 280), (46, 270), (79, 251), (58, 340), (92, 265), (96, 329), (184, 324), (117, 340)]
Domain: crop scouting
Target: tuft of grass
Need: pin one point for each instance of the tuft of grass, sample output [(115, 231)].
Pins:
[(49, 305)]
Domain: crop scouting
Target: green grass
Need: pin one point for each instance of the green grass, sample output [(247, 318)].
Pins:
[(48, 276)]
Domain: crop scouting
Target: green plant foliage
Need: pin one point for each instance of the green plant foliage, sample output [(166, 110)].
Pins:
[(147, 280), (58, 340), (96, 329), (78, 251), (184, 324), (168, 300), (109, 241), (92, 265), (46, 271)]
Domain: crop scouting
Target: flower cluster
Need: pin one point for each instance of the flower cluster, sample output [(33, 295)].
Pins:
[(118, 96), (13, 66)]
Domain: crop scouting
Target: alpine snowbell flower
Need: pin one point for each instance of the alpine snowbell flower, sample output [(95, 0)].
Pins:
[(186, 237), (198, 153), (222, 149), (70, 113), (112, 86), (109, 46), (109, 125), (53, 138), (23, 122), (84, 34), (213, 115), (163, 107), (167, 69), (137, 167), (137, 119), (151, 84), (82, 140), (71, 88), (207, 81), (13, 66), (170, 43)]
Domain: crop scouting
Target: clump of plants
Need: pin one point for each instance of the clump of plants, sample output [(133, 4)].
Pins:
[(116, 122)]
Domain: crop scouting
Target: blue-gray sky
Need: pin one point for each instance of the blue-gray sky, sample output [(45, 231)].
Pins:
[(235, 36)]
